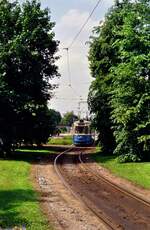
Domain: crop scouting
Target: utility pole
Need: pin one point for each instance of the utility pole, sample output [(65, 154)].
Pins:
[(68, 65), (79, 106)]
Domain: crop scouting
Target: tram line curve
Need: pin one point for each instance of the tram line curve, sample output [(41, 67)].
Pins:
[(57, 163), (119, 188), (110, 203)]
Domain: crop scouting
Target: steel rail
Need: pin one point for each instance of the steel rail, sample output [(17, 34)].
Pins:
[(119, 188), (59, 173), (105, 221)]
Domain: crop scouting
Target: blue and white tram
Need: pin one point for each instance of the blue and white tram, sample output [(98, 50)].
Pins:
[(82, 133)]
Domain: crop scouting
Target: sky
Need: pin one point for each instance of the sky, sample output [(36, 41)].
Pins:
[(69, 16)]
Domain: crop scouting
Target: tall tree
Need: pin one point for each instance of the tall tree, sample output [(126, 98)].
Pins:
[(119, 60), (69, 118), (131, 94), (102, 56), (27, 64)]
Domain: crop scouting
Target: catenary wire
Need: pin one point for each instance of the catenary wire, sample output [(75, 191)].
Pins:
[(84, 24), (74, 39), (71, 44), (68, 99)]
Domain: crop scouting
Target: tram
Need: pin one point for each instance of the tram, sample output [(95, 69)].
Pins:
[(82, 133)]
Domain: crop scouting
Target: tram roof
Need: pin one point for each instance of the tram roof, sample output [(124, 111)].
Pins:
[(82, 122)]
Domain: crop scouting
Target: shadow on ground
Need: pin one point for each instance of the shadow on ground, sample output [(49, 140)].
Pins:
[(9, 202), (47, 155), (34, 154)]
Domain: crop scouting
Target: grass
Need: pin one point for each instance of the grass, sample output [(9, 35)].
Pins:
[(32, 153), (18, 201), (65, 140), (33, 150), (138, 173)]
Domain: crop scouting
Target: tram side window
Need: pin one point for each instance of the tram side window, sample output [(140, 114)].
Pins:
[(81, 129)]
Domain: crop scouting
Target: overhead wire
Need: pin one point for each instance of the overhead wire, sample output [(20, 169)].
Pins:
[(81, 83), (75, 92), (71, 44), (69, 73), (84, 24), (74, 39), (64, 98)]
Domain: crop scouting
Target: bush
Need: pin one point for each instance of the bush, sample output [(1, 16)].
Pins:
[(128, 158)]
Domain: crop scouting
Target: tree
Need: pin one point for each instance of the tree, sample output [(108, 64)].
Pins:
[(119, 97), (55, 119), (102, 56), (131, 95), (27, 64), (40, 126), (69, 118)]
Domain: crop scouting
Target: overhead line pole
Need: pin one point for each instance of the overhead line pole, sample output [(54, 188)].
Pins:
[(74, 39), (79, 106), (69, 72), (68, 65)]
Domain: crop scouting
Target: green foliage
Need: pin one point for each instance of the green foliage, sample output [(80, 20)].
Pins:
[(65, 140), (69, 118), (128, 158), (120, 96), (39, 126), (130, 98), (63, 130), (102, 56), (99, 105), (27, 64)]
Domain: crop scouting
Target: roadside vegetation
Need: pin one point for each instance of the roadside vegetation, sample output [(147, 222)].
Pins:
[(19, 204), (65, 140), (28, 53), (138, 172), (68, 119), (27, 66), (119, 97)]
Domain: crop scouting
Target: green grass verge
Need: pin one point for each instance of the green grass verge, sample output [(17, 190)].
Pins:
[(18, 201), (66, 140), (33, 151), (139, 173)]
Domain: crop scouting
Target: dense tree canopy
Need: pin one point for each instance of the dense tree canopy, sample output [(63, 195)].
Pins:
[(120, 95), (69, 118), (27, 64)]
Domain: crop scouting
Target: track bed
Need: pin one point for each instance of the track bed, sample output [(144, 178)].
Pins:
[(90, 199), (116, 208)]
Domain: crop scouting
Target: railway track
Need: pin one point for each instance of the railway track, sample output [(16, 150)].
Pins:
[(80, 180), (107, 223), (119, 188)]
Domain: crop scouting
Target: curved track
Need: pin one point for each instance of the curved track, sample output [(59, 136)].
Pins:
[(117, 208), (119, 188)]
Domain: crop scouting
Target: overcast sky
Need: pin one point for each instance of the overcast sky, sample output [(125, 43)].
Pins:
[(69, 16)]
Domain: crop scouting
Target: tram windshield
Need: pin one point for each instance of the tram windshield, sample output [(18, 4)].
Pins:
[(82, 129)]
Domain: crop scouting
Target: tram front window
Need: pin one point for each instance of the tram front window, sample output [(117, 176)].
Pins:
[(81, 129)]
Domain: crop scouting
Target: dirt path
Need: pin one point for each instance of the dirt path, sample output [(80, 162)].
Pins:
[(129, 186), (116, 207), (63, 209)]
